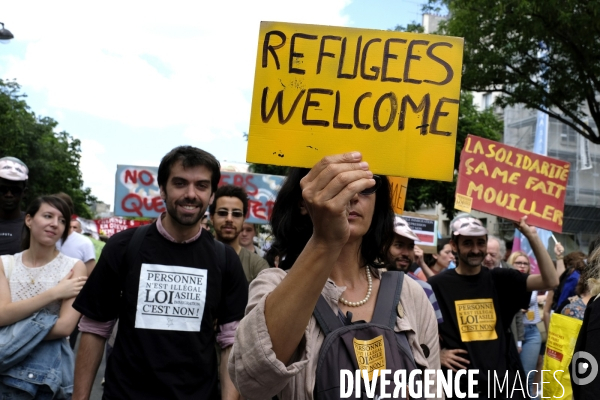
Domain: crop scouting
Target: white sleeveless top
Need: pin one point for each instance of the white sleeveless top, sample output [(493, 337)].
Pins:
[(26, 282)]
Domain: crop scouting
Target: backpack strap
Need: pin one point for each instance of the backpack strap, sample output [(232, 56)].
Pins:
[(325, 317), (389, 288), (220, 249), (386, 311), (135, 244)]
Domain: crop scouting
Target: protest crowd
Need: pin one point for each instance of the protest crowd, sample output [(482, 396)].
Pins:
[(240, 325), (192, 306)]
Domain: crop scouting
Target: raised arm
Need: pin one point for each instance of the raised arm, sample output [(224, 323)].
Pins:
[(11, 312), (326, 191), (559, 251), (547, 279)]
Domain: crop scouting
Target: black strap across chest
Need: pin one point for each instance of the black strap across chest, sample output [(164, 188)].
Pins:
[(385, 310)]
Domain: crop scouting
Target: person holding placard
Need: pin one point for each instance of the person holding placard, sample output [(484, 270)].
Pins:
[(331, 224), (478, 305)]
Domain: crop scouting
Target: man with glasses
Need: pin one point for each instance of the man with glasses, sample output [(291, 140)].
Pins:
[(227, 214), (13, 185)]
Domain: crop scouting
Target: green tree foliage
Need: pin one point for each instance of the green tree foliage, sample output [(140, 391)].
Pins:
[(471, 121), (52, 158), (540, 53), (413, 26)]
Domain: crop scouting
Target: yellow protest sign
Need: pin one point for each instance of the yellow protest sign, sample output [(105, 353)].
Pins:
[(370, 354), (476, 319), (398, 186), (321, 90)]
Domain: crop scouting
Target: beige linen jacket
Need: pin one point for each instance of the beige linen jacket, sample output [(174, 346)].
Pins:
[(258, 374)]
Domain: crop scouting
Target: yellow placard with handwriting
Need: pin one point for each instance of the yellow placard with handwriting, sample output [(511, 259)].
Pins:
[(476, 319), (370, 354), (322, 90)]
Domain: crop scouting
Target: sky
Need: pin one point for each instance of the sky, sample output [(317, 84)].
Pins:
[(133, 79)]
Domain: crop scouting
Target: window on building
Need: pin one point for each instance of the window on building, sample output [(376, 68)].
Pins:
[(568, 136), (486, 101)]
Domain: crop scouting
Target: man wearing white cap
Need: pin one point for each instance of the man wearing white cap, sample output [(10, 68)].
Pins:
[(478, 305), (402, 254), (13, 185)]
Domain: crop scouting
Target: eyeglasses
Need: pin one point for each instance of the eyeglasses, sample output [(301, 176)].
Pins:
[(234, 213), (373, 188), (523, 263), (15, 190)]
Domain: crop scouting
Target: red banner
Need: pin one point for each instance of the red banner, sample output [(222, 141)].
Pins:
[(112, 225), (509, 182)]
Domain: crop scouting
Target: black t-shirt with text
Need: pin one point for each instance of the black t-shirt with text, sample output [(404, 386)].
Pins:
[(477, 312), (165, 346)]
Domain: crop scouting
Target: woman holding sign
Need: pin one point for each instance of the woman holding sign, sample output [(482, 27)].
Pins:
[(331, 224)]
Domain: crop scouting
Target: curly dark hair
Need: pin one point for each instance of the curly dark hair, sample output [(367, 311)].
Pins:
[(574, 261), (230, 191), (292, 230)]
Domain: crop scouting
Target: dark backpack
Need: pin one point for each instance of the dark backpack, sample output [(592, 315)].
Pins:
[(363, 344)]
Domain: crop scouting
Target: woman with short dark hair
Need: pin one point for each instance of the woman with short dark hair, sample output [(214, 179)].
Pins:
[(37, 290)]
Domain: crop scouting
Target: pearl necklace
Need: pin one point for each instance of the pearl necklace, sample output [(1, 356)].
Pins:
[(363, 301)]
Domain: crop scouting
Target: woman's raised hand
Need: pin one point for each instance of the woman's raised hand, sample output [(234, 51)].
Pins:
[(69, 286), (328, 188)]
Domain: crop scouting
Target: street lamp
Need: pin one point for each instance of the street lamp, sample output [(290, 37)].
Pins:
[(5, 34)]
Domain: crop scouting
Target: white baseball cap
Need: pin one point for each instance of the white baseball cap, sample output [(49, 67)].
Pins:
[(13, 169), (468, 226), (401, 228)]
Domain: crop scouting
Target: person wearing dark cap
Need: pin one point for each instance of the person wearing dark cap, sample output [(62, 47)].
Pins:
[(478, 305), (13, 186)]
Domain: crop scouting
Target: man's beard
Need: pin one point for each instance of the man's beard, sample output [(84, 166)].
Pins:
[(398, 267), (229, 237), (185, 220)]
